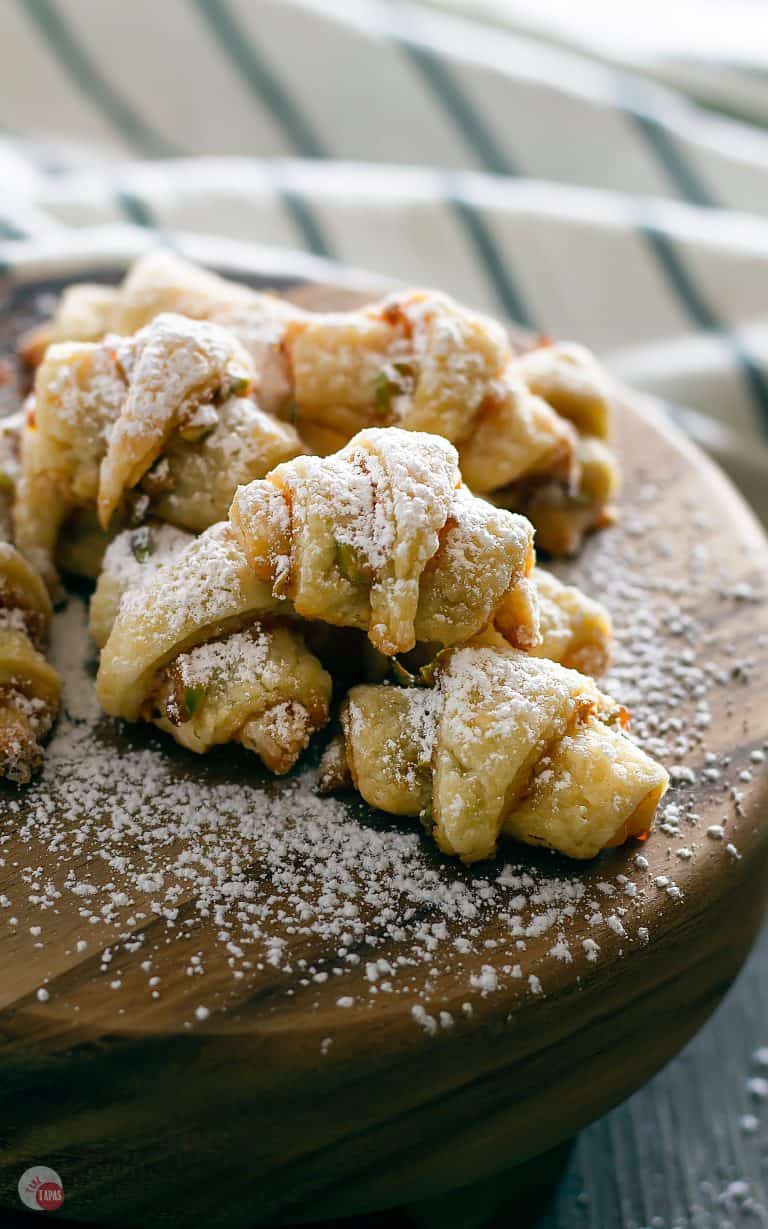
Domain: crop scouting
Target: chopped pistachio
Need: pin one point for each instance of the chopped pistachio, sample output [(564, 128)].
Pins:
[(424, 676), (428, 671), (383, 394), (199, 423), (426, 818), (387, 386), (193, 698), (241, 385), (349, 564), (142, 543)]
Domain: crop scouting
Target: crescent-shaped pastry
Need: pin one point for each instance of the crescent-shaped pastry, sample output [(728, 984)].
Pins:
[(130, 561), (100, 417), (173, 369), (574, 629), (85, 311), (502, 742), (30, 688), (162, 282), (382, 536), (197, 647)]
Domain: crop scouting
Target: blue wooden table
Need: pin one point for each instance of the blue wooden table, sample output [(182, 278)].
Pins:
[(690, 1150)]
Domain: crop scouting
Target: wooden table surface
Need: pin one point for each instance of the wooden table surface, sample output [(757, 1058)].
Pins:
[(675, 1156), (682, 1153)]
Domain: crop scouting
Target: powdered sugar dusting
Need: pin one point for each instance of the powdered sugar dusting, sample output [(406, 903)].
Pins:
[(241, 655), (133, 557), (140, 846)]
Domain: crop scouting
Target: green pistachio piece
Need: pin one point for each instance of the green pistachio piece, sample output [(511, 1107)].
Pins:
[(193, 698), (423, 677), (199, 423), (383, 391), (241, 385), (142, 544), (427, 672), (426, 818), (387, 387), (348, 563)]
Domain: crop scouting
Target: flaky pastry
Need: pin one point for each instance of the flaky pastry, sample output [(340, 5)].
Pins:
[(501, 743)]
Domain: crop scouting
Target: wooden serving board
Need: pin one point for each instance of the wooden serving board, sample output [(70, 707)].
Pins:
[(341, 1019)]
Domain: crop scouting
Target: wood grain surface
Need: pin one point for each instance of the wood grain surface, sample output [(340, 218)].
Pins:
[(155, 1119)]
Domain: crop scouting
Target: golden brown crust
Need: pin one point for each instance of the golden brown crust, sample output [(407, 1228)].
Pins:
[(574, 629), (500, 742), (101, 416), (191, 643), (383, 537), (30, 688), (518, 416)]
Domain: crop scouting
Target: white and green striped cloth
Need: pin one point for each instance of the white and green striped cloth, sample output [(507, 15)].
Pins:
[(537, 158)]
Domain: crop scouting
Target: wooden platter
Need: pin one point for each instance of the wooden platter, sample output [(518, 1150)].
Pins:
[(225, 1003)]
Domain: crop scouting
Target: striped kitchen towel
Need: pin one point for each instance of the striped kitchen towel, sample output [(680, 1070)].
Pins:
[(580, 181)]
